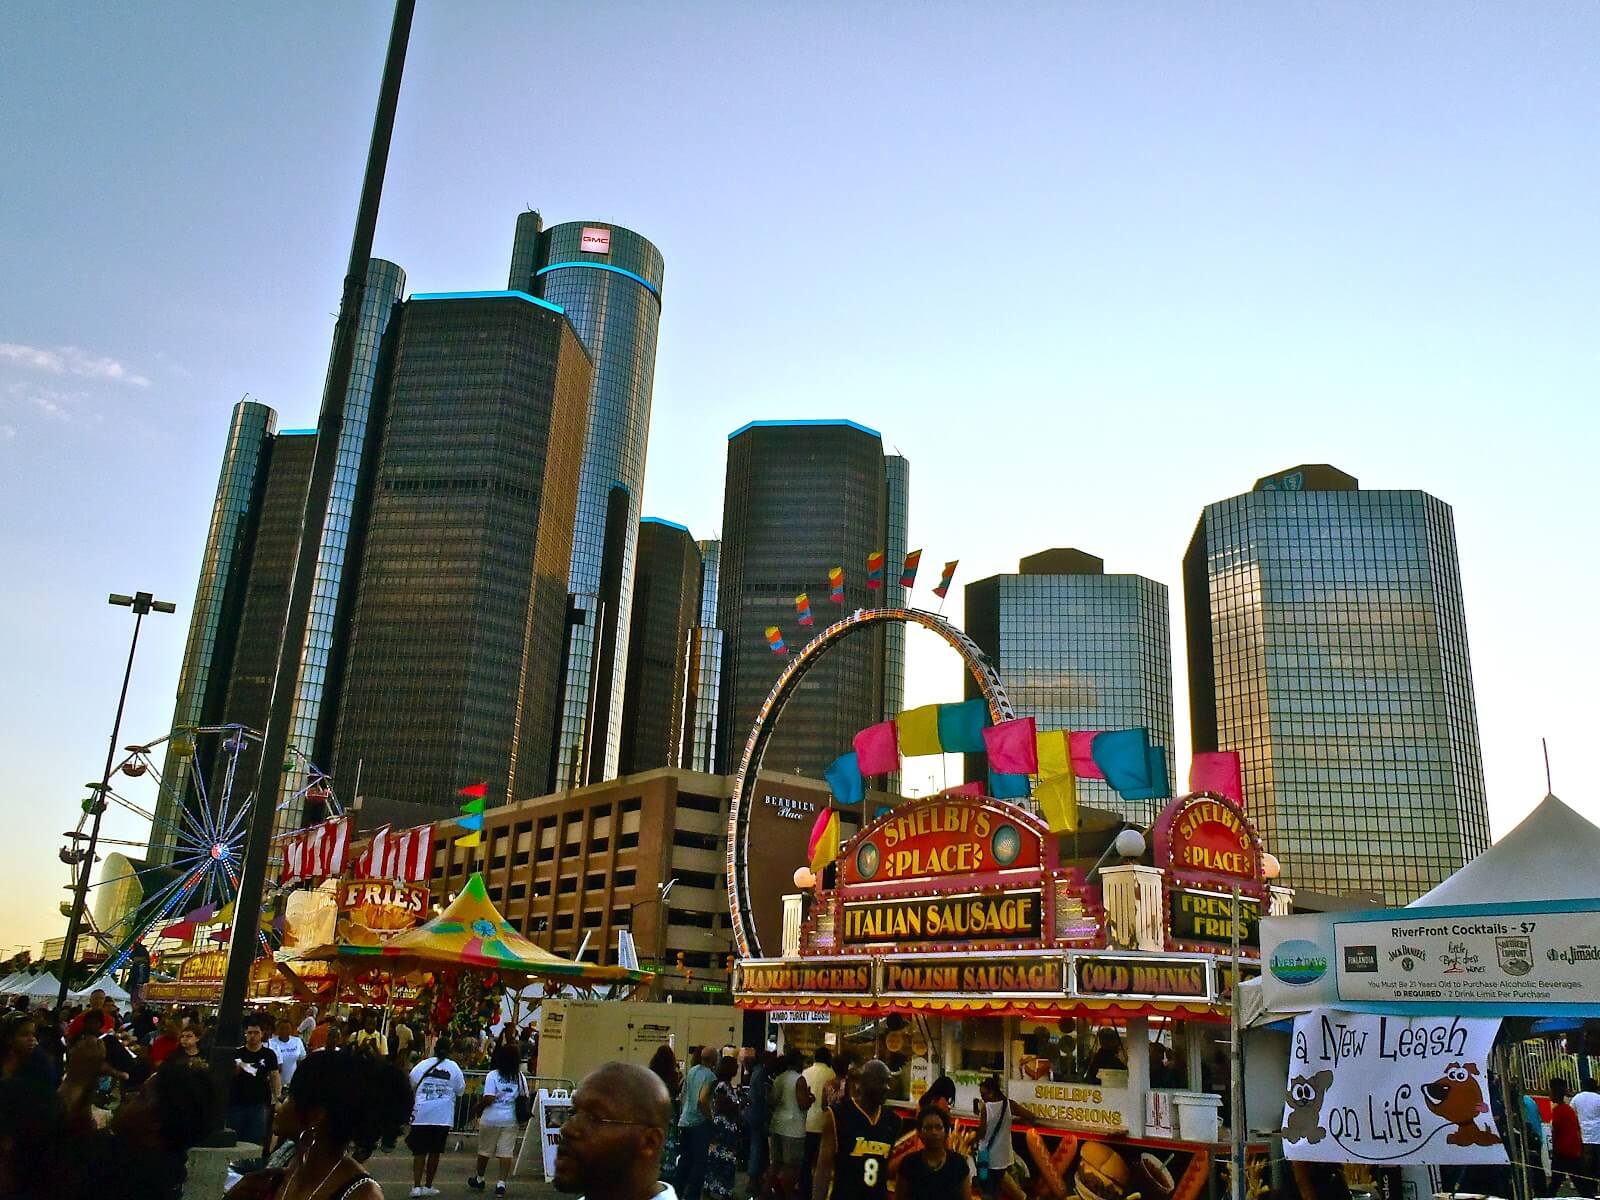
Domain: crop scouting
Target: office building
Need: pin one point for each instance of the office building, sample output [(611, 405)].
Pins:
[(1078, 649), (802, 497), (608, 281), (314, 690), (666, 604), (590, 862), (451, 672), (702, 704), (1328, 646)]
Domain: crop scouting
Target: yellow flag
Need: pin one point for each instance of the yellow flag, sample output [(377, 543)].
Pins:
[(917, 730), (475, 838), (1055, 753), (1058, 801), (827, 847), (224, 915)]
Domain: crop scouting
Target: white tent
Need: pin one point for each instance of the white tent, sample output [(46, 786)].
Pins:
[(40, 987), (14, 980), (113, 990), (1551, 855)]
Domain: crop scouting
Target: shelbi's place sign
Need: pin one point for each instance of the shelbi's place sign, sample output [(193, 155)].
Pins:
[(1208, 837), (943, 837), (986, 975), (1010, 916), (1390, 1090)]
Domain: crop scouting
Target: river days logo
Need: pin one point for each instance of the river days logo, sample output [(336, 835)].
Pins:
[(1298, 963)]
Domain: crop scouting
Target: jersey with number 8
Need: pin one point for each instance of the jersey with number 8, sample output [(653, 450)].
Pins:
[(861, 1167)]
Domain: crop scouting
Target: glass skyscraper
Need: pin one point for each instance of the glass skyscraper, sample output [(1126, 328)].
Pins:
[(702, 704), (1080, 650), (218, 600), (608, 281), (666, 604), (1328, 645), (450, 676), (309, 728), (802, 497)]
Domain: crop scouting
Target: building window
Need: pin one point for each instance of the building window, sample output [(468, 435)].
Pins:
[(569, 884), (708, 804), (691, 840), (631, 805), (594, 881), (624, 879), (545, 854), (519, 890), (683, 916), (541, 887), (627, 841), (592, 919), (599, 845), (697, 879), (563, 920)]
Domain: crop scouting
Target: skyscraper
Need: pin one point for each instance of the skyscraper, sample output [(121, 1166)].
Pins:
[(1328, 645), (666, 604), (316, 680), (1080, 650), (802, 497), (702, 703), (608, 280), (239, 602), (451, 671)]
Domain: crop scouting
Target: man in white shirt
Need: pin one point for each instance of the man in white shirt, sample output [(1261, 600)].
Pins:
[(817, 1076), (436, 1082), (611, 1140), (289, 1049), (1586, 1106), (308, 1022)]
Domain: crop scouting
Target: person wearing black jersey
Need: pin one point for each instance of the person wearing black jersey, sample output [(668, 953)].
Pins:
[(857, 1136)]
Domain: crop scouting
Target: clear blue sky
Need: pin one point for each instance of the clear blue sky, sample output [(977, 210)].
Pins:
[(1089, 266)]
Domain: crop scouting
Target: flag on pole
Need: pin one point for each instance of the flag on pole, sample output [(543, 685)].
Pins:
[(945, 578), (824, 846), (875, 570), (474, 806), (1217, 771), (836, 584), (802, 608), (877, 749), (476, 791), (1013, 747), (908, 573), (472, 821), (470, 840), (1058, 801), (975, 788), (844, 780), (775, 640)]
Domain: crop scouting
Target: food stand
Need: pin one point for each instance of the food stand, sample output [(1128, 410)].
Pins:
[(957, 935)]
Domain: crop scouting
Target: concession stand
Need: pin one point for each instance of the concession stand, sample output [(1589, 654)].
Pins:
[(957, 935)]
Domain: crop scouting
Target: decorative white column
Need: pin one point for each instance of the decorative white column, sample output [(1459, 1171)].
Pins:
[(793, 914), (1133, 902)]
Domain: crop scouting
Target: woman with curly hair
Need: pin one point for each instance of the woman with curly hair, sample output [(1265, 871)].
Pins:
[(339, 1107)]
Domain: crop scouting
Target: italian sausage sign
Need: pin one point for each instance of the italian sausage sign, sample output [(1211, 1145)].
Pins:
[(1390, 1090)]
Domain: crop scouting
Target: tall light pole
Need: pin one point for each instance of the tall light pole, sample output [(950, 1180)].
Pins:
[(141, 603)]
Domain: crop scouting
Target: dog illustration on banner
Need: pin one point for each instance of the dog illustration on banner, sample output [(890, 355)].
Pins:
[(1305, 1099), (1457, 1097)]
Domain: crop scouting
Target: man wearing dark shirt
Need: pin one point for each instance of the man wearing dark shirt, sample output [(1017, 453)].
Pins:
[(254, 1087)]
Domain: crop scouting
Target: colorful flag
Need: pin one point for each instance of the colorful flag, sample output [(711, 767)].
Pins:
[(470, 840), (1006, 786), (877, 749), (1123, 756), (775, 640), (472, 821), (477, 790), (908, 573), (1083, 764), (875, 570), (1012, 747), (802, 608), (319, 852), (474, 806), (975, 788), (405, 856), (1218, 772), (824, 847), (1157, 787), (961, 726), (836, 584), (1058, 802), (370, 862), (1055, 753), (917, 731), (944, 579), (844, 779)]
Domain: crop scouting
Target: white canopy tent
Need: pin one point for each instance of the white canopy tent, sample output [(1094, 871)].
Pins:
[(40, 987), (113, 990), (1551, 855)]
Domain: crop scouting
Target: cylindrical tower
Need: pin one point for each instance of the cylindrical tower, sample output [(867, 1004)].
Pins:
[(331, 592), (214, 622), (608, 281)]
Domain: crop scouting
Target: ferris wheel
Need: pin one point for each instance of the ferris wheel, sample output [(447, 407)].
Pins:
[(193, 854)]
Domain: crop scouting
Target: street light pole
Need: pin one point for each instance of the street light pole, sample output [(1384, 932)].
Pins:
[(1236, 1124), (141, 603)]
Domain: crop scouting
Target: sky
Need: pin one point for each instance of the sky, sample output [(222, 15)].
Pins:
[(1088, 266)]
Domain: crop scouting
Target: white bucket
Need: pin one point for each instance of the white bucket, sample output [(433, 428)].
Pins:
[(1199, 1115)]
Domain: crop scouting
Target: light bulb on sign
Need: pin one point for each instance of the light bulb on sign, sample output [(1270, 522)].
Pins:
[(1130, 843), (805, 878)]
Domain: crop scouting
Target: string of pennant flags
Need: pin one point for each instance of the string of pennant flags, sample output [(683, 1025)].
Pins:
[(876, 562), (1022, 760), (471, 818)]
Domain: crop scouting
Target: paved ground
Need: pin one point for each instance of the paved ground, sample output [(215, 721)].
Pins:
[(393, 1171)]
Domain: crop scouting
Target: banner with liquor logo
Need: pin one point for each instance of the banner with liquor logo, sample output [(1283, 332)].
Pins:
[(1390, 1090)]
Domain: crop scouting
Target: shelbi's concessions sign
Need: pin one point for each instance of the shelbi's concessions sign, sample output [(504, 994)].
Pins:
[(845, 977), (984, 975), (943, 836), (1010, 917), (1141, 977), (1203, 917), (1390, 1091)]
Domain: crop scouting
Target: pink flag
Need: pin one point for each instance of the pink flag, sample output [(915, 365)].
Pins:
[(1013, 747), (1217, 771), (1083, 764), (975, 788), (877, 750)]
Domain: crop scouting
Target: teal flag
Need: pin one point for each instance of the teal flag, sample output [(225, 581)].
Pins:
[(844, 779), (1123, 756), (1159, 788), (1004, 786), (961, 726), (473, 821)]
